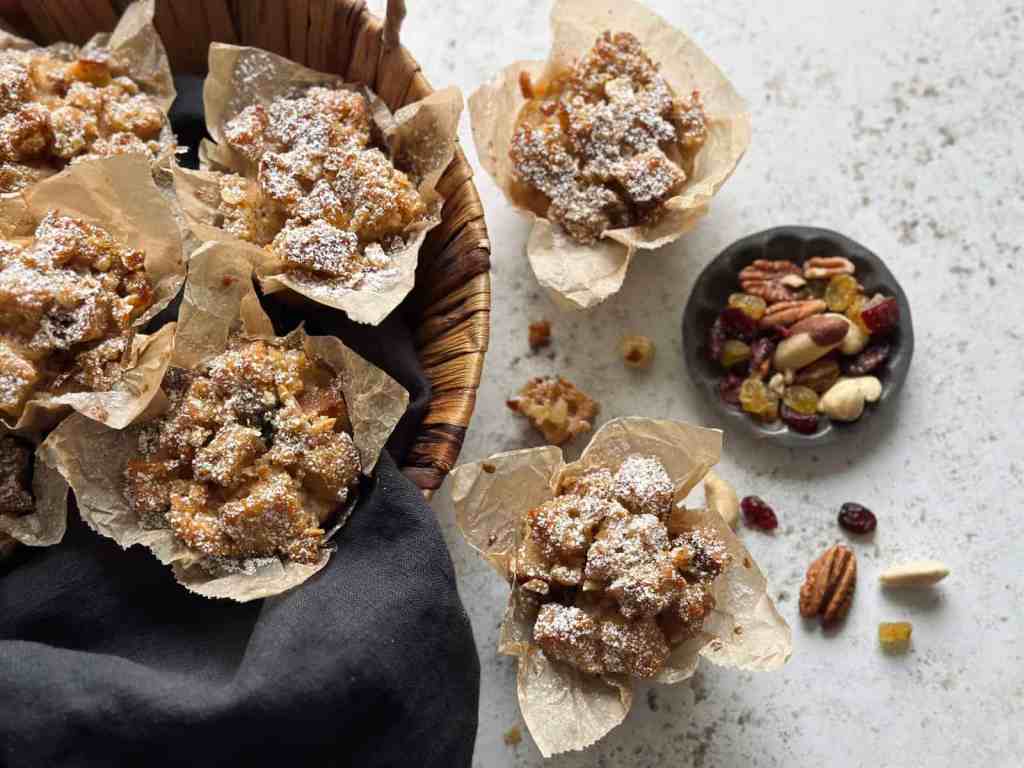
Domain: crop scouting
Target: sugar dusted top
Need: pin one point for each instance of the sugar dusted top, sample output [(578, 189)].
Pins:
[(54, 111), (68, 299), (321, 194), (603, 145), (619, 575), (252, 458)]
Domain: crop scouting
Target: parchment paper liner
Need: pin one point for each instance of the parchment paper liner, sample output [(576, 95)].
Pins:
[(219, 297), (578, 275), (118, 194), (135, 43), (420, 139), (564, 708)]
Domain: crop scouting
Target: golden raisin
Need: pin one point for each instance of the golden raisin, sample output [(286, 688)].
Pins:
[(758, 400), (801, 399), (853, 312), (841, 291), (754, 306), (895, 636), (734, 352)]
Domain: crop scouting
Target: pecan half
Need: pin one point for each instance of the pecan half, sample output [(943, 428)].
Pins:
[(828, 587), (789, 312), (767, 279), (825, 267)]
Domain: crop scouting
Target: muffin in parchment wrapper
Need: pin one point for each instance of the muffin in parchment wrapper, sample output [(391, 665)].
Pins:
[(118, 194), (134, 43), (420, 140), (581, 275), (219, 300), (564, 708)]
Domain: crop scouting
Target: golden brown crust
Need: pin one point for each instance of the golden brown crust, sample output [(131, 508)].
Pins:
[(607, 143), (68, 298), (252, 458), (54, 111), (325, 199), (618, 589)]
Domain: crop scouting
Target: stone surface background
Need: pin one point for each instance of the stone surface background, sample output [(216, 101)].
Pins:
[(899, 124)]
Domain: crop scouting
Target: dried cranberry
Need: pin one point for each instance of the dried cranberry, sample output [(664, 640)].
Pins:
[(761, 352), (716, 340), (870, 359), (856, 518), (729, 388), (757, 513), (737, 324), (804, 423), (882, 316)]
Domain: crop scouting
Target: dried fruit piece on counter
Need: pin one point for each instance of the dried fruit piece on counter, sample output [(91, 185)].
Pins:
[(880, 315), (801, 399), (841, 291), (819, 375), (917, 573), (856, 518), (870, 359), (757, 513), (894, 636), (637, 351), (804, 423), (540, 334), (555, 407), (766, 278), (825, 267), (754, 306), (733, 353), (829, 585), (737, 324)]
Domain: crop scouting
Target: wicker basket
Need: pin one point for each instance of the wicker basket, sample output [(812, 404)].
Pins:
[(449, 309)]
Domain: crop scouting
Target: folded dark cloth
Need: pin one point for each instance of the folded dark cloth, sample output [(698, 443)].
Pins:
[(106, 660)]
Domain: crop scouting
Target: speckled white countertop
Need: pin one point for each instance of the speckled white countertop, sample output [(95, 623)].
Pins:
[(901, 125)]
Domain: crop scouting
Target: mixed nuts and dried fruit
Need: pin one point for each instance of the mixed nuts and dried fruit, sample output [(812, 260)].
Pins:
[(799, 343)]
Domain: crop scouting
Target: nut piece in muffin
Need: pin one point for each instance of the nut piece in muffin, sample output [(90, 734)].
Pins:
[(555, 407), (54, 111), (252, 459), (618, 586), (68, 299), (606, 143), (15, 470), (319, 194)]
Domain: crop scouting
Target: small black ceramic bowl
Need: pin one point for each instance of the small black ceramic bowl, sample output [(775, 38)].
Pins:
[(721, 278)]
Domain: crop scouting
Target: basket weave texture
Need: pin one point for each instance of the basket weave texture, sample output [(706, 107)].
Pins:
[(449, 309)]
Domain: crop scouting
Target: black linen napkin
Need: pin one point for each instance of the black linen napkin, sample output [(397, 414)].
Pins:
[(106, 660)]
